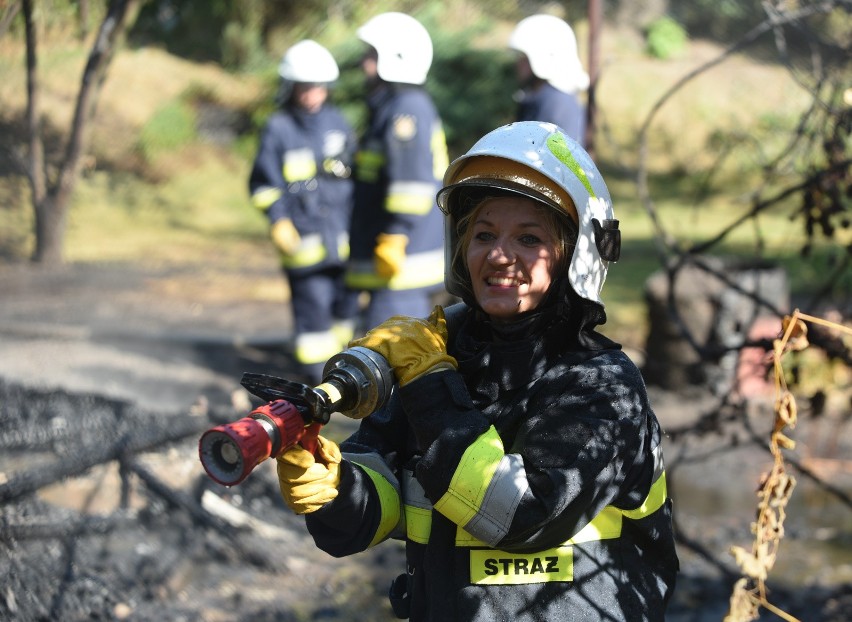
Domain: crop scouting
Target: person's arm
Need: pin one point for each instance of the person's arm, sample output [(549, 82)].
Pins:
[(413, 143), (570, 458), (368, 506), (266, 181)]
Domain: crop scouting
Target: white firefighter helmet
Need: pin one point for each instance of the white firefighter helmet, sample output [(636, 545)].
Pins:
[(308, 62), (538, 160), (403, 45), (551, 47)]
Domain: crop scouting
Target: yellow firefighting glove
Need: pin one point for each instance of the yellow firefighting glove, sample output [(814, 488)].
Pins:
[(307, 483), (411, 346), (285, 236), (389, 254)]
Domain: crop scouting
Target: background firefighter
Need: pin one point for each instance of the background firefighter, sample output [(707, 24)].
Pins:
[(550, 73), (396, 227), (301, 180)]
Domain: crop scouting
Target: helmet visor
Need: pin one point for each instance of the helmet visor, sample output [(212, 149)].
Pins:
[(499, 173)]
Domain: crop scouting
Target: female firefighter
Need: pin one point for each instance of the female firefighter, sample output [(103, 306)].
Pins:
[(518, 457), (301, 181)]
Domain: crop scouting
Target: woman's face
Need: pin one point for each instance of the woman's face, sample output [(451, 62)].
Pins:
[(510, 257)]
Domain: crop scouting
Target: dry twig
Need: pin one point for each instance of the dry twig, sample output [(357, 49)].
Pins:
[(776, 488)]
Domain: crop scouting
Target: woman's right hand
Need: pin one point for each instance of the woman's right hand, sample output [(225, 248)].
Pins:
[(307, 482)]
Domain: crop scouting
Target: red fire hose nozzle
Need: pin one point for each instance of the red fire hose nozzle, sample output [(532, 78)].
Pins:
[(356, 382), (231, 451)]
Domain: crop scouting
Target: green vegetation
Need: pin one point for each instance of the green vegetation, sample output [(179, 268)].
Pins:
[(158, 188), (170, 127), (666, 38)]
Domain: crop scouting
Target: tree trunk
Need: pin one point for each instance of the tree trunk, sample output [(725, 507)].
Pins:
[(50, 219), (51, 199)]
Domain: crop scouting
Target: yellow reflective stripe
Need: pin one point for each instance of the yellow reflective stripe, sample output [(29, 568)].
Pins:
[(653, 502), (343, 246), (369, 163), (389, 501), (493, 567), (316, 347), (418, 270), (343, 331), (464, 539), (410, 197), (408, 204), (471, 478), (299, 165), (418, 509), (263, 198), (605, 526), (418, 524), (440, 154), (310, 252)]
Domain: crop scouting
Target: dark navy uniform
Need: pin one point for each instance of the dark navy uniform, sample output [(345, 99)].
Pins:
[(399, 166), (302, 172), (554, 106), (528, 486)]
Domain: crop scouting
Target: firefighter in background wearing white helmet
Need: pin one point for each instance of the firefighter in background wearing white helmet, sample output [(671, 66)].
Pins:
[(519, 457), (397, 228), (301, 180), (550, 73)]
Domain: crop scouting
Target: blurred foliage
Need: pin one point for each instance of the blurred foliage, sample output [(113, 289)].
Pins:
[(171, 126), (666, 38), (722, 20)]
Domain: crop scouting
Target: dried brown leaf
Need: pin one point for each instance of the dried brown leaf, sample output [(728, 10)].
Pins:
[(751, 565), (786, 409), (798, 339), (784, 442), (742, 605)]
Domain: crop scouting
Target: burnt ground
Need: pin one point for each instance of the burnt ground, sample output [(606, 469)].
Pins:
[(108, 376)]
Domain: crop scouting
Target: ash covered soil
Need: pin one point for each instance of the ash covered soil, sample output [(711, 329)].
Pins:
[(109, 375)]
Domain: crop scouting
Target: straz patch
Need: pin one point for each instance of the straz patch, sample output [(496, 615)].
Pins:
[(490, 567), (404, 127)]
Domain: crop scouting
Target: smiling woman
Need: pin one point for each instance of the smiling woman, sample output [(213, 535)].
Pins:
[(519, 457), (511, 249)]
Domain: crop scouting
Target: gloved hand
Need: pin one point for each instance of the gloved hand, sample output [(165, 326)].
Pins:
[(410, 345), (389, 254), (285, 236), (307, 482)]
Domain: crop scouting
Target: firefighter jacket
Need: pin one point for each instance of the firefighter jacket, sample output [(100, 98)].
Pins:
[(529, 485), (398, 171), (302, 172), (554, 106)]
